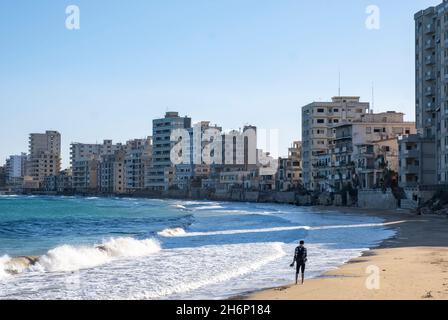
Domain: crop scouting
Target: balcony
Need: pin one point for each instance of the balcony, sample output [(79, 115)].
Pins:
[(429, 76), (430, 106), (412, 169), (429, 60), (430, 28), (429, 91), (414, 154), (429, 45)]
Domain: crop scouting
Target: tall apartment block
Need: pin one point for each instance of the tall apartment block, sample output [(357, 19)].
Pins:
[(137, 163), (44, 156), (111, 173), (318, 120), (195, 167), (431, 72), (162, 171)]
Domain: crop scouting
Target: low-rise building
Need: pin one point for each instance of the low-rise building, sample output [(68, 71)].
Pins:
[(60, 183), (85, 175), (64, 181)]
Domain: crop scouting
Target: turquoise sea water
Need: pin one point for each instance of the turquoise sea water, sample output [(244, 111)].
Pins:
[(166, 249)]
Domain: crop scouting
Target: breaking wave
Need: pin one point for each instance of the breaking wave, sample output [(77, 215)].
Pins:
[(67, 258), (275, 229), (4, 267), (175, 232), (70, 258)]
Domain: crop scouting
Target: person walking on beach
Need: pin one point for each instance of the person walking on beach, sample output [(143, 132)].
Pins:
[(300, 258)]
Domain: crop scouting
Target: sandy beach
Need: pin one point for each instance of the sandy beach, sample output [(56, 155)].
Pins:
[(412, 265)]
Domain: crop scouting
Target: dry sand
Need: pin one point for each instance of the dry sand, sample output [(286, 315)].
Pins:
[(412, 265)]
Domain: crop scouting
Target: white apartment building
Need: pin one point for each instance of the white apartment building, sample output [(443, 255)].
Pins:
[(195, 167), (15, 169), (318, 121), (162, 171)]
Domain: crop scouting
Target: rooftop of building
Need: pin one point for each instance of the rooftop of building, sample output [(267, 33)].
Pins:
[(340, 100), (431, 10)]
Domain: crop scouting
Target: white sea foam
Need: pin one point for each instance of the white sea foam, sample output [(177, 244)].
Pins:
[(276, 229), (179, 206), (209, 207), (71, 258), (4, 267), (171, 232), (271, 252)]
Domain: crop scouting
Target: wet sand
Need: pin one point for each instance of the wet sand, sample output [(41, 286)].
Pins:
[(412, 265)]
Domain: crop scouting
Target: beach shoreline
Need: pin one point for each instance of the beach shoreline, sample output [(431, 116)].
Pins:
[(411, 265)]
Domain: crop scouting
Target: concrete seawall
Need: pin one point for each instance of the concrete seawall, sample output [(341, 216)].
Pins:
[(377, 199)]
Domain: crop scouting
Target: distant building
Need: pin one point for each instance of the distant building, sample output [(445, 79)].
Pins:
[(85, 175), (162, 172), (237, 165), (15, 170), (84, 159), (61, 183), (2, 177), (289, 176), (64, 181), (362, 150), (195, 168), (137, 163), (112, 173), (318, 120), (44, 157), (83, 151)]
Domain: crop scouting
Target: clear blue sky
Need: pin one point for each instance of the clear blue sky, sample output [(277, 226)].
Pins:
[(228, 61)]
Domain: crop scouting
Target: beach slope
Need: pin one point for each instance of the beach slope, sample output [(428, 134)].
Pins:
[(412, 265)]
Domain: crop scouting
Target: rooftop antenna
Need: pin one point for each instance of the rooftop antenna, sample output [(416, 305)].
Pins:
[(373, 97), (339, 85)]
